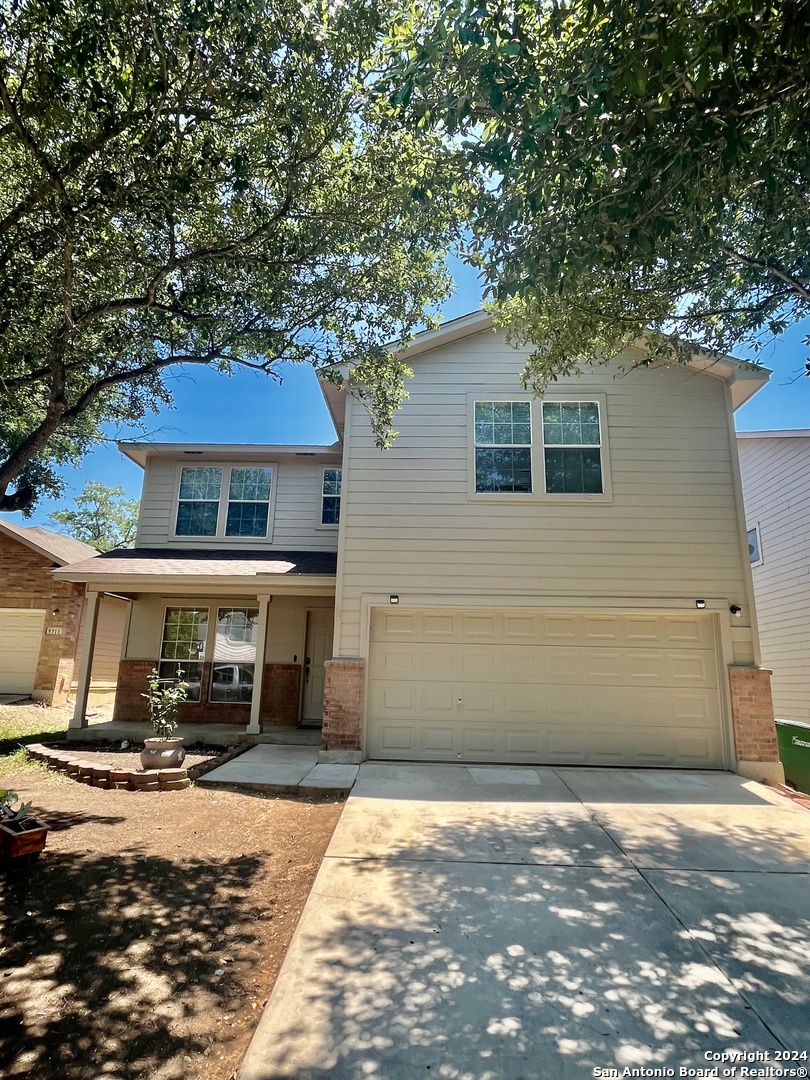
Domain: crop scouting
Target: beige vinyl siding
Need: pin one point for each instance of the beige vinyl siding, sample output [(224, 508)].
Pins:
[(112, 620), (298, 484), (776, 485), (670, 531)]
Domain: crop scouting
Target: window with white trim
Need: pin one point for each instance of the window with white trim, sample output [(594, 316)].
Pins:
[(234, 663), (198, 500), (754, 546), (182, 649), (248, 501), (330, 496), (503, 446), (572, 448)]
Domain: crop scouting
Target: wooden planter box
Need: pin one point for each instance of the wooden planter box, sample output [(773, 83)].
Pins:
[(22, 840)]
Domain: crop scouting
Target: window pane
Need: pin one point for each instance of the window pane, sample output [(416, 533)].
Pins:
[(331, 481), (191, 677), (573, 471), (503, 470), (197, 518), (503, 423), (330, 513), (753, 546), (248, 484), (247, 519), (184, 634), (200, 483), (232, 682), (571, 423)]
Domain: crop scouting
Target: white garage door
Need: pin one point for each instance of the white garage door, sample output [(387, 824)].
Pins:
[(20, 640), (564, 688)]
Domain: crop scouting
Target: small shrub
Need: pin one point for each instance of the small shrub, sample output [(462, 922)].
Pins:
[(7, 800), (163, 702)]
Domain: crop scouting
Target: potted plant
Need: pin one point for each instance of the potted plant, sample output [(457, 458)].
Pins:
[(165, 750), (21, 836)]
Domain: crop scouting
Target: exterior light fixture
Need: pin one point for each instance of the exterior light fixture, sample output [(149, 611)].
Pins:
[(735, 610), (393, 599), (700, 604)]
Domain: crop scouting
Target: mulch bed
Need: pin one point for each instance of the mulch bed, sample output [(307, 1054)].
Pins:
[(147, 937), (124, 759)]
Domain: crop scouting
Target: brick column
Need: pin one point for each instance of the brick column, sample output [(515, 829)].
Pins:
[(754, 731), (342, 732)]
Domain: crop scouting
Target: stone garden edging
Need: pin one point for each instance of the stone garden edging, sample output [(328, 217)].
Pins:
[(77, 767)]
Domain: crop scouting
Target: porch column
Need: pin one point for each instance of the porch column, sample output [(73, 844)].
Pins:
[(79, 718), (255, 725)]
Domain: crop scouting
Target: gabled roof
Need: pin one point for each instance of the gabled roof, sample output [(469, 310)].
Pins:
[(55, 546), (743, 377)]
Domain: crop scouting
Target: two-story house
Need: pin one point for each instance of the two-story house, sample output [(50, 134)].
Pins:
[(559, 580)]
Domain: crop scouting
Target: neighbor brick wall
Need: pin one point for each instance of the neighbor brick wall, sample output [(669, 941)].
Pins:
[(343, 705), (752, 714), (279, 697), (26, 582)]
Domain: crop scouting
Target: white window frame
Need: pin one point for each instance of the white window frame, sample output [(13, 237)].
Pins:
[(516, 400), (564, 399), (219, 537), (333, 525), (214, 662), (539, 493), (185, 605), (755, 529)]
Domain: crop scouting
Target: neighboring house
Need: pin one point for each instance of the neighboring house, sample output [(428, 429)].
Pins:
[(41, 618), (559, 581), (775, 469)]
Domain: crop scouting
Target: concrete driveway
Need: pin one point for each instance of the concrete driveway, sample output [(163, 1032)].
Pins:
[(516, 923)]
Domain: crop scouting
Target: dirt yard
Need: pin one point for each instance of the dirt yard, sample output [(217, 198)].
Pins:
[(146, 939)]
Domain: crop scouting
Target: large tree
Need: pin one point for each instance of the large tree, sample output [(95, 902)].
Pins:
[(197, 182), (643, 168), (103, 516)]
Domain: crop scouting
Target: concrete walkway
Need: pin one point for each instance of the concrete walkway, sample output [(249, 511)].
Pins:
[(539, 924), (284, 770)]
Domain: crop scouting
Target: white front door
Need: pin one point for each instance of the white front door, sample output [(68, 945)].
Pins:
[(320, 626), (20, 642)]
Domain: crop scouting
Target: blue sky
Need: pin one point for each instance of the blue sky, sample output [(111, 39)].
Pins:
[(248, 408)]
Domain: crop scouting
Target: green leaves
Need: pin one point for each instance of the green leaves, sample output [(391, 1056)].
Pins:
[(205, 181), (638, 170)]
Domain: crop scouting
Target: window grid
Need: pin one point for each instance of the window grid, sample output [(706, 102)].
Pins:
[(248, 501), (572, 448), (330, 496), (198, 500), (185, 631), (503, 438)]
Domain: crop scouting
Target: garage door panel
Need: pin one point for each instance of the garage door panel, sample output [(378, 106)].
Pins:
[(20, 643), (541, 628), (565, 688)]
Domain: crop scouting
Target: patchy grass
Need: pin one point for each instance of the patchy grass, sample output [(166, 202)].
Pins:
[(29, 723), (147, 937)]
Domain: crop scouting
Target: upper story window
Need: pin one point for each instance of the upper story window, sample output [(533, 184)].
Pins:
[(503, 446), (330, 497), (198, 502), (214, 501), (248, 502), (754, 546), (572, 447)]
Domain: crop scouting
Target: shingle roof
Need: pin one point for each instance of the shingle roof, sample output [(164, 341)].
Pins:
[(55, 546), (208, 563)]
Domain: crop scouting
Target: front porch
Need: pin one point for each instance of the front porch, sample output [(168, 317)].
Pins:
[(249, 631)]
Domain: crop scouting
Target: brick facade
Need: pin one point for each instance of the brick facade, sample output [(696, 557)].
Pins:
[(281, 694), (26, 582), (343, 705), (280, 697), (752, 714)]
